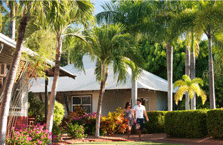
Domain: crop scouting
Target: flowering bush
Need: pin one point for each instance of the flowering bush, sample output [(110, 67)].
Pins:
[(77, 113), (114, 122), (34, 135), (75, 131), (88, 121), (57, 132)]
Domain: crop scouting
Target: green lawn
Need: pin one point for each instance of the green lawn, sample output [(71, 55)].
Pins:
[(124, 143)]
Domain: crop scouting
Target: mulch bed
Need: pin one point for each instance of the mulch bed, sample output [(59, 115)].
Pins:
[(90, 139), (158, 138)]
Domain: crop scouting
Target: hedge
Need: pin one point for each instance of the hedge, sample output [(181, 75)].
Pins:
[(156, 122), (215, 123), (189, 124)]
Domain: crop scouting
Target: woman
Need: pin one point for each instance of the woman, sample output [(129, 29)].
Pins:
[(129, 114)]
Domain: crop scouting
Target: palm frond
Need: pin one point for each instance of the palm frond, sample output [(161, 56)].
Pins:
[(186, 78), (180, 92), (191, 93), (198, 80), (179, 83), (97, 70), (203, 96), (196, 88)]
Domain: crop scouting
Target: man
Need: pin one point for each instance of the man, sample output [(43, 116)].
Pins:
[(139, 110)]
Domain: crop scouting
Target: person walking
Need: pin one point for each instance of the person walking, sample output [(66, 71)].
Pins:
[(129, 114), (139, 110)]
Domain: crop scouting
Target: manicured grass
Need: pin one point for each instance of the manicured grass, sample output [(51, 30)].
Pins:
[(125, 143)]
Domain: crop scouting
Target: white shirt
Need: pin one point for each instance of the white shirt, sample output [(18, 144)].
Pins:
[(139, 111)]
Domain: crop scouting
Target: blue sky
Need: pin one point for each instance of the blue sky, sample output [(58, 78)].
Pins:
[(97, 5)]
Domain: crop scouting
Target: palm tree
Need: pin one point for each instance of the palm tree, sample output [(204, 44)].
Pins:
[(28, 8), (190, 86), (185, 22), (111, 48), (130, 14), (60, 15), (209, 19), (165, 32)]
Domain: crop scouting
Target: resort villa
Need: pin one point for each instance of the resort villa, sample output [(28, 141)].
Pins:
[(84, 90)]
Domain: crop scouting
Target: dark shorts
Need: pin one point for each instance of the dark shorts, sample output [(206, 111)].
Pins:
[(141, 123)]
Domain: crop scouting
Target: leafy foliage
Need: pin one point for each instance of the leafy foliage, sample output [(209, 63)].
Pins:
[(57, 132), (88, 121), (156, 122), (58, 112), (78, 112), (36, 134), (214, 123), (190, 86), (75, 130), (189, 124), (37, 109), (114, 122)]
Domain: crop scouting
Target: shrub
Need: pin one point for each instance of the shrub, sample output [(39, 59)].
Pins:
[(156, 122), (114, 122), (215, 123), (88, 121), (36, 134), (75, 130), (57, 132), (37, 109), (78, 112), (58, 112), (190, 124)]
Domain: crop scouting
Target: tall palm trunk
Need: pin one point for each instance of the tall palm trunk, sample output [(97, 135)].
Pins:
[(104, 76), (7, 91), (169, 50), (211, 73), (53, 94), (192, 69), (134, 90), (12, 23), (187, 72), (192, 76)]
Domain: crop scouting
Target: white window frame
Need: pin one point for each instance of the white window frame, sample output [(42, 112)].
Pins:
[(82, 96)]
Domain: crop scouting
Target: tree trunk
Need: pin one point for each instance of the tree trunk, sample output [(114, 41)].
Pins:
[(192, 76), (211, 74), (187, 72), (12, 22), (101, 95), (53, 94), (134, 91), (169, 50), (46, 97), (7, 91)]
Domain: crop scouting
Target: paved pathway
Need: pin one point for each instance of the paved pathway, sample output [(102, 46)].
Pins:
[(156, 138)]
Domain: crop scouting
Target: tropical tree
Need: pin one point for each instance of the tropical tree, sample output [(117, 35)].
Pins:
[(209, 19), (60, 15), (190, 86), (111, 48), (28, 7), (165, 33)]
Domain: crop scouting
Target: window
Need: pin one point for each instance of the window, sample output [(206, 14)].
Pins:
[(84, 101)]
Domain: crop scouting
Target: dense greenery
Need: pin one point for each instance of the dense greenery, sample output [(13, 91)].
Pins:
[(214, 123), (37, 110), (156, 122), (189, 124)]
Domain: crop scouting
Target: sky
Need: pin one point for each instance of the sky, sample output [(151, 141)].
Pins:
[(97, 5)]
